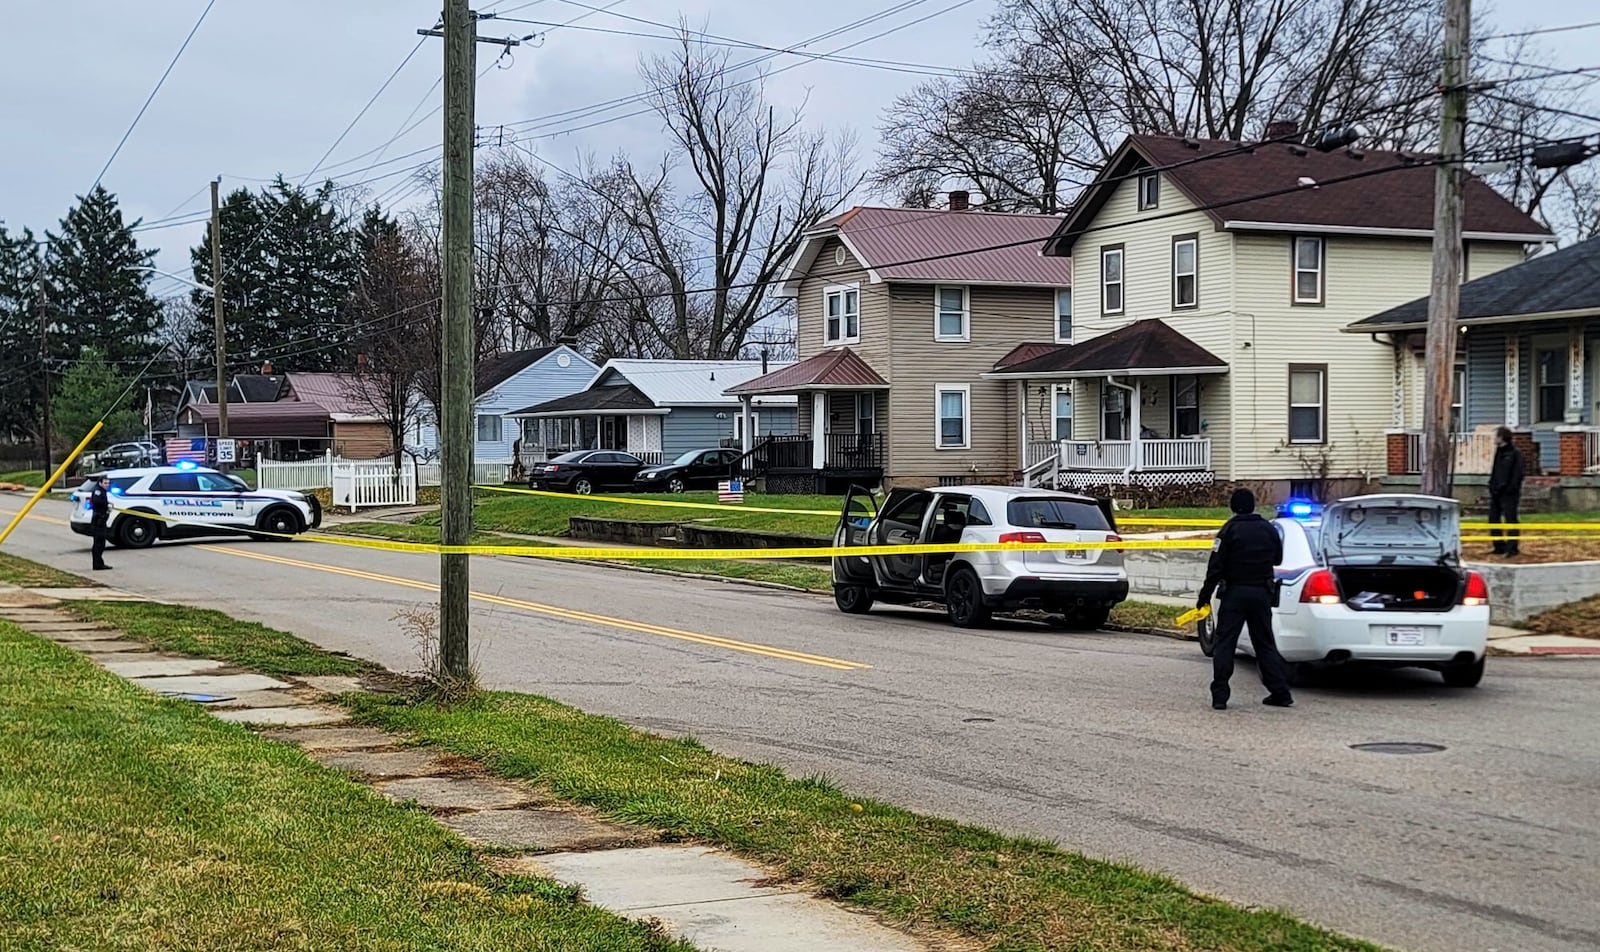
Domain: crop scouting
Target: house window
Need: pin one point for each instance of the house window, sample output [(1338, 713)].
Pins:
[(1309, 257), (843, 308), (1113, 413), (1185, 271), (488, 428), (1551, 385), (1111, 279), (1308, 404), (950, 314), (1149, 191), (738, 426), (1458, 390), (1064, 316), (1063, 416), (953, 408), (1185, 406)]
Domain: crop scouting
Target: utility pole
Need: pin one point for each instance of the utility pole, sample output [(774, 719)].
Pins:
[(216, 313), (457, 391), (1444, 299)]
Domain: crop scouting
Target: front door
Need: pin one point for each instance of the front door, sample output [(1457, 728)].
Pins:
[(608, 433), (1113, 413)]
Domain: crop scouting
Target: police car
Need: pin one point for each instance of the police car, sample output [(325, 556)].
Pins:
[(188, 500)]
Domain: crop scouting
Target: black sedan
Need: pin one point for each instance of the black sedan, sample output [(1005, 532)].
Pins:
[(696, 469), (586, 471)]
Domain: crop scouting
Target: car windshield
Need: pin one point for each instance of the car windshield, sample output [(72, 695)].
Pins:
[(1044, 512), (687, 458)]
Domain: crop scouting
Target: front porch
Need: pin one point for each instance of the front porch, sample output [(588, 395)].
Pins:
[(602, 418), (1080, 464), (841, 441)]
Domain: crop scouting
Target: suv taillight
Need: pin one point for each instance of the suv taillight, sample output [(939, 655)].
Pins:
[(1113, 537), (1321, 588), (1477, 591), (1021, 537)]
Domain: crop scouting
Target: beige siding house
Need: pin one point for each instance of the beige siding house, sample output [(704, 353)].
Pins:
[(1214, 280), (901, 313)]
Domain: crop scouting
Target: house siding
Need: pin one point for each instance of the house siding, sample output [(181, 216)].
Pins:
[(877, 332), (361, 440), (542, 380), (998, 319), (697, 428)]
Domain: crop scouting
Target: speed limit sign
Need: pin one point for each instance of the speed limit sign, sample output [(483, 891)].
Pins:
[(225, 451)]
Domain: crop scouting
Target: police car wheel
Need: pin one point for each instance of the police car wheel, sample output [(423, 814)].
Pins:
[(136, 533), (281, 522), (1207, 634)]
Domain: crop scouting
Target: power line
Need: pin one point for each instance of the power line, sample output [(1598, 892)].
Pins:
[(151, 98), (1543, 31)]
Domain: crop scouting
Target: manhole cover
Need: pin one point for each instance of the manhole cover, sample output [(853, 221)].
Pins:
[(977, 720), (1398, 747)]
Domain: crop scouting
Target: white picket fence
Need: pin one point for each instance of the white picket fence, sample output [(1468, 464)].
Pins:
[(319, 473), (368, 485), (483, 474)]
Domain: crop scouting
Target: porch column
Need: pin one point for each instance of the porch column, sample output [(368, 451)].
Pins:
[(1136, 441), (744, 421), (819, 430), (1025, 436), (1399, 422), (1513, 381), (1575, 374)]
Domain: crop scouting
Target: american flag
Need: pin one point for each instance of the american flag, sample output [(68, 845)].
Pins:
[(731, 490), (192, 450)]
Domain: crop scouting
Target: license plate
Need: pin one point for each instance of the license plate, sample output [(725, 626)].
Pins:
[(1406, 637), (1074, 555)]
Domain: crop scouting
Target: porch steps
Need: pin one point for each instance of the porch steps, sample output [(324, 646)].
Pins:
[(1537, 493)]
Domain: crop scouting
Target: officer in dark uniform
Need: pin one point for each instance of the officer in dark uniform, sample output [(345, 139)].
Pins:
[(99, 515), (1242, 559)]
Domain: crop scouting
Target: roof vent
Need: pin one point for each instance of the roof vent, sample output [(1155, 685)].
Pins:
[(1298, 150)]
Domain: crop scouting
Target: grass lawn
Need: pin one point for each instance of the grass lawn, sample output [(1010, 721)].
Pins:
[(134, 823), (32, 478), (22, 572), (548, 515)]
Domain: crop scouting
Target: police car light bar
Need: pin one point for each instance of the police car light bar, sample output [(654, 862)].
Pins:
[(187, 464), (1298, 509)]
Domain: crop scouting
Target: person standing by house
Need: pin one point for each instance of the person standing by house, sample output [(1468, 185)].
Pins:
[(99, 516), (1505, 492), (1243, 557)]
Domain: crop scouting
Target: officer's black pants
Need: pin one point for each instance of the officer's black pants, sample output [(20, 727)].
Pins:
[(1247, 605), (1503, 509), (99, 547)]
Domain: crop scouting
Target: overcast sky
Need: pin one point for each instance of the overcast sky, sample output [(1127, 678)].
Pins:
[(268, 85)]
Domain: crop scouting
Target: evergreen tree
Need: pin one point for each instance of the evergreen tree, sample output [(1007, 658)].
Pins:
[(98, 284), (21, 376), (86, 395)]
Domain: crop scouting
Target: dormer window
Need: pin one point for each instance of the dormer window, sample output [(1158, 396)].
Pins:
[(1149, 191)]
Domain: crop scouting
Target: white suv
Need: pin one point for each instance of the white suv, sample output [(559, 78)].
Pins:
[(186, 500), (1082, 585)]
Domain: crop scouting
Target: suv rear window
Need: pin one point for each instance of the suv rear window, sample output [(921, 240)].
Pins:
[(1043, 512)]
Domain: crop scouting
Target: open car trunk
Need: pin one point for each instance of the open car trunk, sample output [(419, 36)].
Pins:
[(1399, 588)]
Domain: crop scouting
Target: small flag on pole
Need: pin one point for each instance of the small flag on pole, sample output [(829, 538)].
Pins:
[(731, 491)]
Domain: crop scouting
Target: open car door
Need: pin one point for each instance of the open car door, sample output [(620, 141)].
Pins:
[(855, 529)]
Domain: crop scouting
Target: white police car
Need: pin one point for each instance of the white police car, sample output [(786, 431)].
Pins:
[(1377, 580), (186, 500)]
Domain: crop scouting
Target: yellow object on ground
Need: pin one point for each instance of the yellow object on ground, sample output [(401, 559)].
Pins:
[(1193, 615)]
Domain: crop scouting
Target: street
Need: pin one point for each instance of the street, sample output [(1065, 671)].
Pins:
[(1103, 742)]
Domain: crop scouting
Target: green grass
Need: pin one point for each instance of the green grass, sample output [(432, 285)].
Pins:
[(416, 532), (1137, 614), (132, 823), (33, 478), (1006, 893), (549, 515), (211, 634), (27, 574)]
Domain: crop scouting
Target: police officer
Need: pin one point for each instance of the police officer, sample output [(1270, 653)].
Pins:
[(99, 515), (1242, 559)]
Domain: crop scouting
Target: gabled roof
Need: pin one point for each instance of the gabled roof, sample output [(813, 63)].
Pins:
[(1143, 348), (344, 396), (925, 246), (1026, 350), (198, 391), (1357, 191), (257, 388), (685, 383), (494, 371), (616, 398), (1564, 283), (285, 418), (838, 369)]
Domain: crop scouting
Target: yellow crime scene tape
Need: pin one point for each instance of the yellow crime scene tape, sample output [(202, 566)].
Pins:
[(1193, 615)]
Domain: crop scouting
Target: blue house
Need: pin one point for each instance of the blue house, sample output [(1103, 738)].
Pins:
[(506, 383), (656, 410), (1527, 357)]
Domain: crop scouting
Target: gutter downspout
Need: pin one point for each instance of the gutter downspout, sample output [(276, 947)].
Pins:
[(1134, 445)]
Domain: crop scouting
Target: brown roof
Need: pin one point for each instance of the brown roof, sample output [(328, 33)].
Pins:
[(921, 245), (341, 394), (1027, 350), (1368, 190), (286, 418), (831, 369), (1143, 347)]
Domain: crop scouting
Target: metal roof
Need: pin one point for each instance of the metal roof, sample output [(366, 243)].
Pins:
[(344, 396), (1143, 347), (286, 418), (831, 369), (616, 399), (687, 383)]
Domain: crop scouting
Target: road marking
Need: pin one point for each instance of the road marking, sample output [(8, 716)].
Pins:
[(713, 641)]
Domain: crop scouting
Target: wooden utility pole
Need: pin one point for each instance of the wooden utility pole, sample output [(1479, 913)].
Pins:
[(216, 313), (1444, 299)]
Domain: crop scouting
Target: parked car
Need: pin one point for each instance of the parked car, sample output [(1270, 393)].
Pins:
[(1377, 579), (586, 471), (696, 469), (184, 501), (1080, 585), (128, 456)]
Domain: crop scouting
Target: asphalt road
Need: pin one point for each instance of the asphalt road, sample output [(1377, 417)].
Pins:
[(1103, 742)]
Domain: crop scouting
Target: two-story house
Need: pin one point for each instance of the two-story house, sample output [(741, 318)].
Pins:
[(1214, 280), (900, 313)]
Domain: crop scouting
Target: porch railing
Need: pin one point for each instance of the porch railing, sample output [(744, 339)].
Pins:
[(1115, 456), (1474, 452), (841, 451)]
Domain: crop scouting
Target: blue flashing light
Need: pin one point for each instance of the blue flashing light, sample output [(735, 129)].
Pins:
[(1299, 509), (116, 490), (187, 464)]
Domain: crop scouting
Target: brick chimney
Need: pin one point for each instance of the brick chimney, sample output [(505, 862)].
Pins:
[(1283, 130), (960, 200), (361, 363), (266, 368)]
